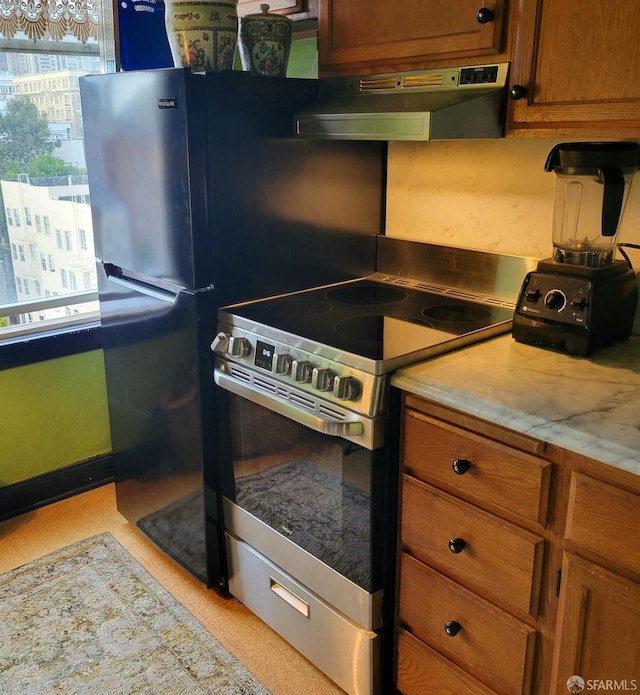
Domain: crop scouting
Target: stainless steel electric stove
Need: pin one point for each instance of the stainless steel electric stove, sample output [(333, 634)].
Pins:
[(310, 485)]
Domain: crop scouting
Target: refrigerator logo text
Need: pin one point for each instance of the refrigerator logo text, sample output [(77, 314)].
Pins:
[(167, 103)]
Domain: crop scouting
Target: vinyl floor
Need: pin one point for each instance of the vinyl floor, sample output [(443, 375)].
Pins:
[(34, 534)]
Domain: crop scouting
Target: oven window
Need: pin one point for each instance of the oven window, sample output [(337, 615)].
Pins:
[(320, 492)]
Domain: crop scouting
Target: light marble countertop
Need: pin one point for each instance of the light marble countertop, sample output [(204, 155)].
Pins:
[(588, 405)]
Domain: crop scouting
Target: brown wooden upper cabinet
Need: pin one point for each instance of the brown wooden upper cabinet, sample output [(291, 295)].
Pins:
[(294, 9), (368, 36), (575, 69)]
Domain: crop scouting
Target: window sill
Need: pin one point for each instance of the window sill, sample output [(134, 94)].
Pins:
[(49, 345)]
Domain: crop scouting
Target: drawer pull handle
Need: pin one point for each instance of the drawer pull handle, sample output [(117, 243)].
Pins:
[(457, 545), (484, 15), (461, 466), (452, 627), (289, 597)]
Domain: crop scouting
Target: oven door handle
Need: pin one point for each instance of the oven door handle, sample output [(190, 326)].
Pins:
[(335, 428)]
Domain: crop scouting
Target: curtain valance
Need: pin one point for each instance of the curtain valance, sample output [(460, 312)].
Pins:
[(53, 19)]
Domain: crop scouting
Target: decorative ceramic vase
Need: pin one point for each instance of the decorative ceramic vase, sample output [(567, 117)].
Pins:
[(265, 42), (202, 35)]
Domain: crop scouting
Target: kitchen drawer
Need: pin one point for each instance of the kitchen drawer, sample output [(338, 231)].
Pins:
[(422, 671), (605, 520), (492, 645), (487, 471), (347, 653), (499, 560)]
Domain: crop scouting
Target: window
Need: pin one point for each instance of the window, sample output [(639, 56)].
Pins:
[(42, 58)]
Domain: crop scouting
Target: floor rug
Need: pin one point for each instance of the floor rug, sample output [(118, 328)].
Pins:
[(88, 619)]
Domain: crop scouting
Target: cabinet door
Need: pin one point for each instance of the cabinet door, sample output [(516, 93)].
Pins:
[(598, 628), (375, 35), (576, 71)]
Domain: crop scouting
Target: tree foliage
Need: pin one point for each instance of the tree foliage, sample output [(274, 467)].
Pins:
[(24, 135)]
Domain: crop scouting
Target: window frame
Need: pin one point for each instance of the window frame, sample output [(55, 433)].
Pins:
[(29, 343)]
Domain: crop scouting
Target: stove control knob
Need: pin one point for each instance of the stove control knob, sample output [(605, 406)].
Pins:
[(301, 371), (555, 300), (220, 343), (321, 379), (282, 364), (239, 347), (345, 388)]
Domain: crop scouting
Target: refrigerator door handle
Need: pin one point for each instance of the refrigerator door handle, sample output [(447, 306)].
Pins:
[(164, 293)]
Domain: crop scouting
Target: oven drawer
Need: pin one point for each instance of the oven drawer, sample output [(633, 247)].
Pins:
[(499, 560), (348, 654), (477, 468), (482, 639)]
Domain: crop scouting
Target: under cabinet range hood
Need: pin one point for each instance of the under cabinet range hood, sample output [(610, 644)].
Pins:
[(443, 104)]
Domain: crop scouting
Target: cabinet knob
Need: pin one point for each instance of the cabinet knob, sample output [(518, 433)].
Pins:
[(452, 627), (484, 15), (457, 545), (518, 91), (461, 466)]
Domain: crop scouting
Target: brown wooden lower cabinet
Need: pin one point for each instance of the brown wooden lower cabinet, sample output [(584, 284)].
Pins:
[(501, 601), (470, 631), (598, 631), (422, 671)]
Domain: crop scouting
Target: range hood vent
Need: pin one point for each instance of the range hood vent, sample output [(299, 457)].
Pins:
[(444, 104)]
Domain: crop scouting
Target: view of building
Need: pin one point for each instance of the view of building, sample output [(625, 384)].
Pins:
[(51, 240), (51, 83)]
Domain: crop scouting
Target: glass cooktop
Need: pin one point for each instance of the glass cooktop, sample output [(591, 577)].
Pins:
[(374, 319)]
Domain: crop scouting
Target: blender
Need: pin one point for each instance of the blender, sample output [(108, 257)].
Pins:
[(583, 298)]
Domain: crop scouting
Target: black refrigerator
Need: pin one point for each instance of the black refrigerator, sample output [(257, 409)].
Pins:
[(201, 197)]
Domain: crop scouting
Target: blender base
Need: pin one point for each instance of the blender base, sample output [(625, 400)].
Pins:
[(574, 308)]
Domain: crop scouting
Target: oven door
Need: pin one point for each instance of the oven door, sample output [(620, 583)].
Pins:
[(300, 491)]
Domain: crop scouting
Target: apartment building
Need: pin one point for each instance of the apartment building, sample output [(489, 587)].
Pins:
[(51, 241)]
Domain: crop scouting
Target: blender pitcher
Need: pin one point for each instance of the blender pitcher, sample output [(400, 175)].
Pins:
[(592, 184)]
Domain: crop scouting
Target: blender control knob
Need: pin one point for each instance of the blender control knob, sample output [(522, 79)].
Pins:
[(321, 379), (301, 371), (282, 364), (555, 300), (578, 303), (532, 294), (239, 347), (220, 343), (345, 388)]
